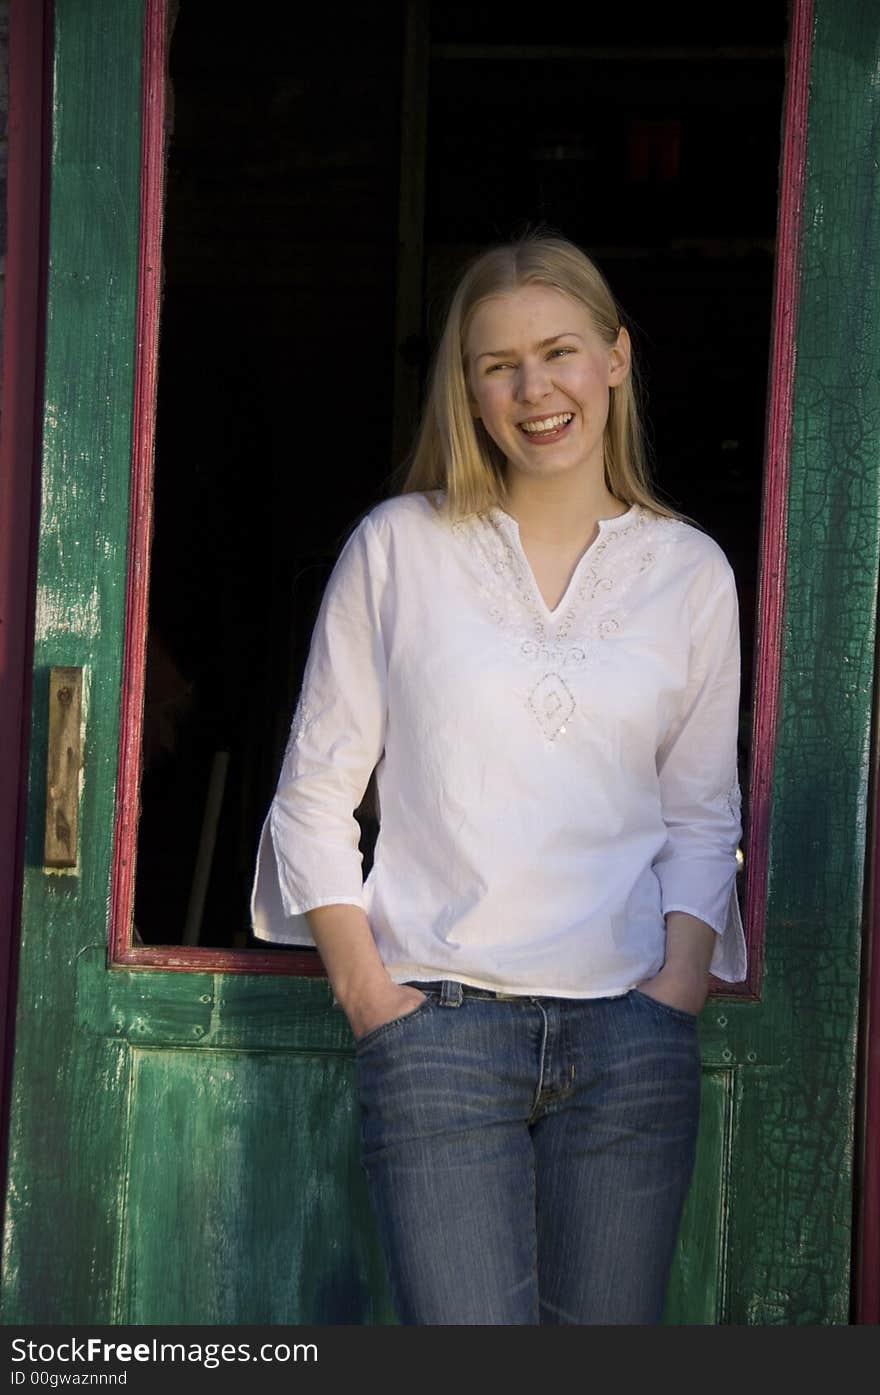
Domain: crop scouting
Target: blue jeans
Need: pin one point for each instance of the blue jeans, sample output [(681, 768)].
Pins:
[(528, 1159)]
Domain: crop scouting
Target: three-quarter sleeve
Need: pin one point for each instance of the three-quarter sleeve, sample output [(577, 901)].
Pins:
[(699, 785), (309, 854)]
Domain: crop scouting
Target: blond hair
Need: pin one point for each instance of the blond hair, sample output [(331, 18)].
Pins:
[(453, 451)]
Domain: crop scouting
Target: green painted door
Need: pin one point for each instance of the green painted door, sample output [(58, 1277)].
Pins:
[(183, 1142)]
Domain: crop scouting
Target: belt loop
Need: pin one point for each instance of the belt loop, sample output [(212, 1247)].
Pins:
[(450, 993)]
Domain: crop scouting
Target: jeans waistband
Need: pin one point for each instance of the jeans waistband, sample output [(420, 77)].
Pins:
[(451, 991)]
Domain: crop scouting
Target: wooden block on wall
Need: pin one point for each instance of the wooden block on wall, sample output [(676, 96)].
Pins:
[(63, 764)]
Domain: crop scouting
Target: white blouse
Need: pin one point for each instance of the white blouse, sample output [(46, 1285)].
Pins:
[(550, 783)]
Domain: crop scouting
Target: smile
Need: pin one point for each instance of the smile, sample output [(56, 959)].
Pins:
[(547, 426)]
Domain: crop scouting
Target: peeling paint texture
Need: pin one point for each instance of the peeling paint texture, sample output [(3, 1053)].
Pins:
[(791, 1187)]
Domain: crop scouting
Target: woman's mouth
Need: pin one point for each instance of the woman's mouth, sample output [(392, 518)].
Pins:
[(542, 430)]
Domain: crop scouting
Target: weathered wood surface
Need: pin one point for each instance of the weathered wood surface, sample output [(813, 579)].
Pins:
[(63, 767), (262, 1200), (97, 1164), (791, 1184), (63, 1195), (696, 1289), (19, 400)]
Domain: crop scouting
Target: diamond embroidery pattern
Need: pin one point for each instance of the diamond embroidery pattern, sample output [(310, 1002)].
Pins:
[(552, 703)]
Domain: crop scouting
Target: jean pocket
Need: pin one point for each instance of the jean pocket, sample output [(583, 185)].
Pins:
[(666, 1009), (385, 1027)]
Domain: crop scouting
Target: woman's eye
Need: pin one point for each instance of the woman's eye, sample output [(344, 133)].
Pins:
[(560, 350), (495, 366)]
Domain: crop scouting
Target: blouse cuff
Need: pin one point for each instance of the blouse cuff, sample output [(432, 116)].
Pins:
[(276, 914), (729, 957)]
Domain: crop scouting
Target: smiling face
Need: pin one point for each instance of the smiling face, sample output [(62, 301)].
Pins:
[(538, 378)]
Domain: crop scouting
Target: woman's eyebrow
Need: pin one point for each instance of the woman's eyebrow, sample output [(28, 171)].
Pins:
[(508, 353)]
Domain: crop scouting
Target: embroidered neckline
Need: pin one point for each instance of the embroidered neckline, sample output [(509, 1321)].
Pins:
[(564, 614), (591, 611)]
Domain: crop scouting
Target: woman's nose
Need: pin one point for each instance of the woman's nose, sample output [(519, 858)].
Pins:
[(533, 382)]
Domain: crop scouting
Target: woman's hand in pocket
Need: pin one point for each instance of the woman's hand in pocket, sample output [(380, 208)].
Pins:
[(380, 1006), (683, 982), (361, 983), (678, 986)]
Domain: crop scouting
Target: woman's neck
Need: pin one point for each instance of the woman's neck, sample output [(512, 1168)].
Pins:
[(559, 510)]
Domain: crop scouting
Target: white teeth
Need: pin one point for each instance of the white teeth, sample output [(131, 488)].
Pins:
[(534, 428)]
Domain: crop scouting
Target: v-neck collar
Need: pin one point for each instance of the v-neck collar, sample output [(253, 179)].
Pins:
[(510, 528)]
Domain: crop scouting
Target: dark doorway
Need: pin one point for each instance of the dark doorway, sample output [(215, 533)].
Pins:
[(652, 141)]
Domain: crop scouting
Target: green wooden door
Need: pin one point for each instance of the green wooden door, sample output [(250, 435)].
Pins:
[(182, 1144), (183, 1141)]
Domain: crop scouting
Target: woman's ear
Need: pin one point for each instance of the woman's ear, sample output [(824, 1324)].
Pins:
[(619, 358)]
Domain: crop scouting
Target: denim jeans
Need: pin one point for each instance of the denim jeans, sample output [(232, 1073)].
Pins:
[(528, 1159)]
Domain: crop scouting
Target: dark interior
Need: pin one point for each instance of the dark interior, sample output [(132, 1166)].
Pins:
[(652, 141)]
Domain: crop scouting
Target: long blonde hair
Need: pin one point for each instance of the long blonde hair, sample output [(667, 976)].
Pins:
[(453, 451)]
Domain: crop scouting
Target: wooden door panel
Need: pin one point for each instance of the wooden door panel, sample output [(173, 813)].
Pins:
[(227, 1115), (262, 1215), (790, 1221), (65, 1127), (696, 1286), (153, 1008)]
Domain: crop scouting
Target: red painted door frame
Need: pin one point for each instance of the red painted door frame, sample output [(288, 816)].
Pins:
[(30, 52)]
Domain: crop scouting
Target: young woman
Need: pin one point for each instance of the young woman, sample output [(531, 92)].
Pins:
[(541, 662)]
